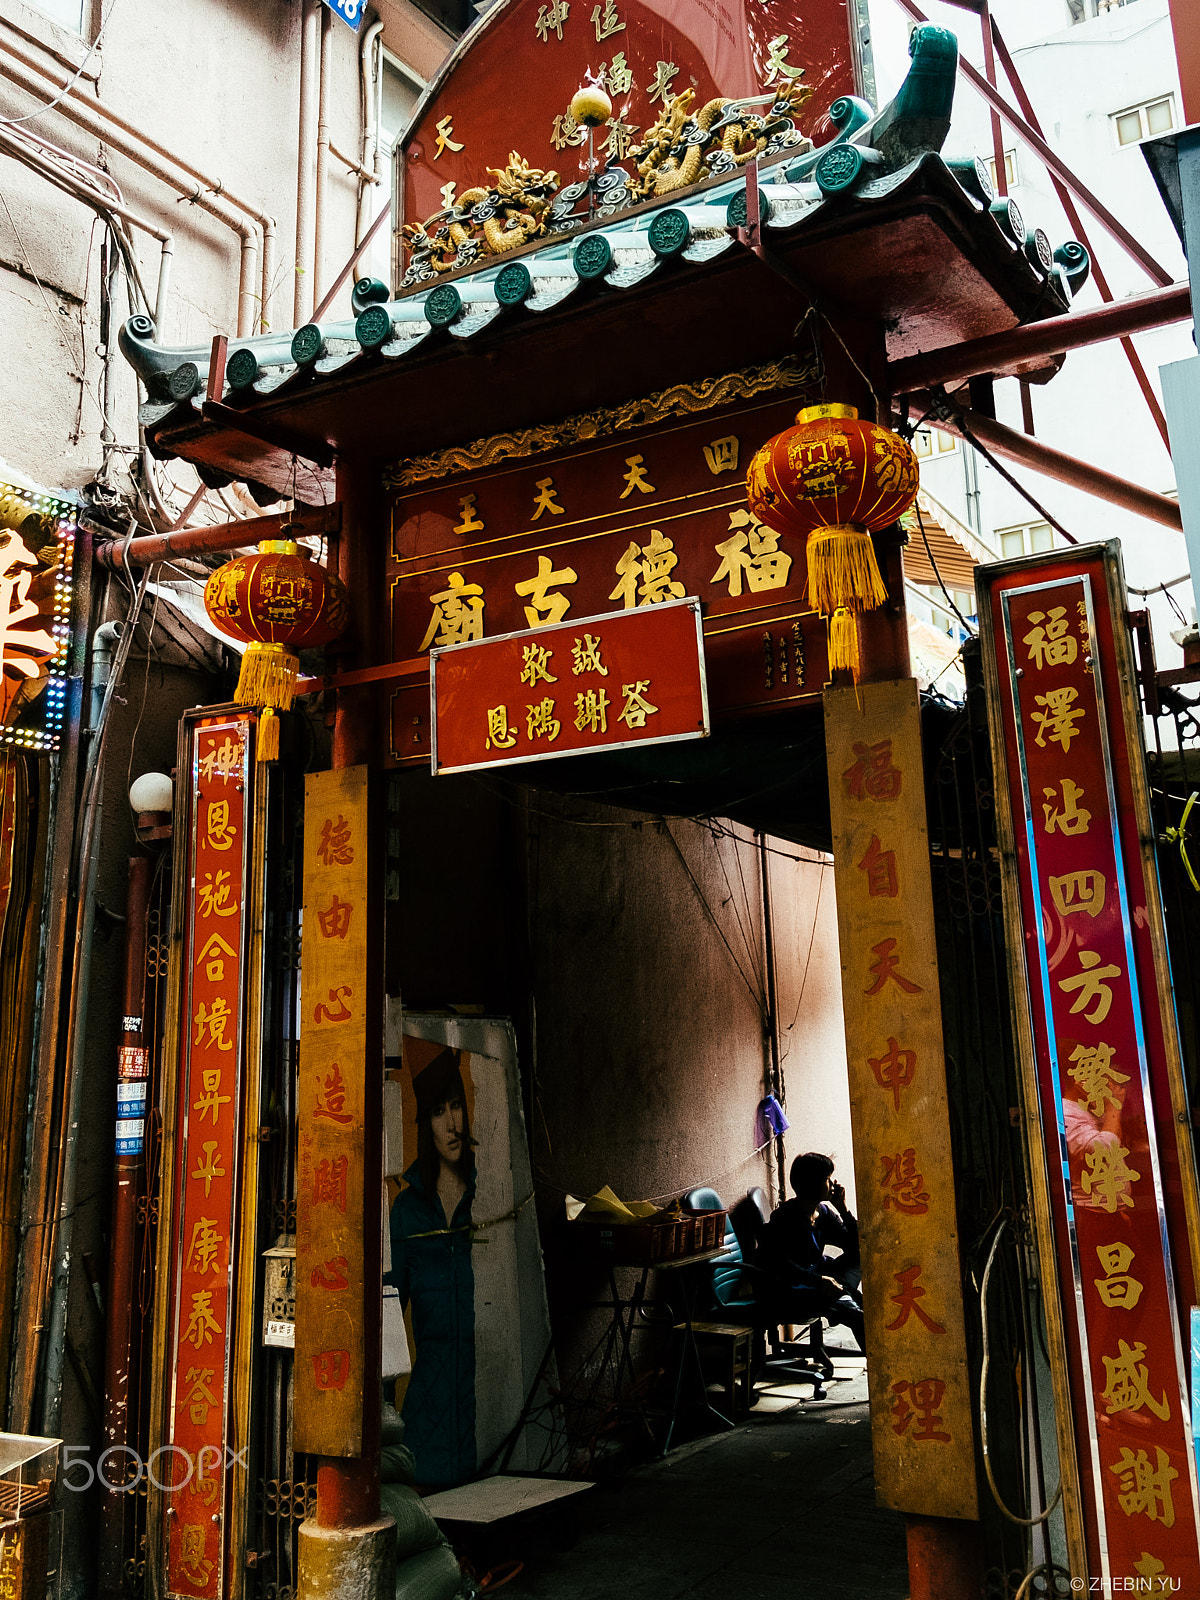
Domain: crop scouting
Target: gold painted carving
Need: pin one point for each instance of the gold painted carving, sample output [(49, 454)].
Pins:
[(680, 400), (514, 210)]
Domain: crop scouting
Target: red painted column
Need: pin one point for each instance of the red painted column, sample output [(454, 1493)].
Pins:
[(348, 1487), (945, 1561), (1185, 21)]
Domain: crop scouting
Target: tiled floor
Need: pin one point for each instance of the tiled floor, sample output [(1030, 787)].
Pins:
[(780, 1508)]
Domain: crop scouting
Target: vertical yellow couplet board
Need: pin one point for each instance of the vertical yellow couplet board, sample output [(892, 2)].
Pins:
[(329, 1183), (921, 1417)]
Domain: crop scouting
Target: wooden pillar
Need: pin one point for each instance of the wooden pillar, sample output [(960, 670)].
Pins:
[(348, 1548), (912, 1287)]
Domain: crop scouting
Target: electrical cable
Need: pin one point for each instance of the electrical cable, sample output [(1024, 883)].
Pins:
[(937, 573), (807, 959), (732, 901), (956, 414), (1160, 588), (759, 1003), (12, 122), (1021, 1522)]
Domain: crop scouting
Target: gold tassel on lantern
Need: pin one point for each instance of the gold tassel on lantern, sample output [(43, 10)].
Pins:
[(843, 642), (842, 570), (268, 677), (267, 746)]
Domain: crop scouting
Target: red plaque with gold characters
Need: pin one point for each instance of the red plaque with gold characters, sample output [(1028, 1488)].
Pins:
[(329, 1376), (1103, 1084), (602, 683), (625, 523), (921, 1416), (194, 1461)]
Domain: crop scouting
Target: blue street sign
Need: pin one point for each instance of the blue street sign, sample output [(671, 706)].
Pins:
[(350, 11)]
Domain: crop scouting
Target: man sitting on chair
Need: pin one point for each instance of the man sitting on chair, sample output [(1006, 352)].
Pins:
[(805, 1281)]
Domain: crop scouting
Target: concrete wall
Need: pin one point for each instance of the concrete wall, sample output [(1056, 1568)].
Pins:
[(216, 83)]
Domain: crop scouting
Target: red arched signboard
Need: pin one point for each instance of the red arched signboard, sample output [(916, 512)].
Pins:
[(510, 82)]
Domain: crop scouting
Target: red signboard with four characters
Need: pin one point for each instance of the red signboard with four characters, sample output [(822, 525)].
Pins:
[(602, 683)]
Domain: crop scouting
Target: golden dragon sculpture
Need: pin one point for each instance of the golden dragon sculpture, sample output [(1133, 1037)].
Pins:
[(679, 149)]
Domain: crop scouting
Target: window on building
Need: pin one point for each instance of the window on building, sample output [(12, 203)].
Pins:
[(400, 91), (1144, 121), (1010, 170), (67, 13), (1026, 540), (933, 442), (1085, 10)]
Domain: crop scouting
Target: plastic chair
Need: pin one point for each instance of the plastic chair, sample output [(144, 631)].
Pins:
[(749, 1219), (732, 1274)]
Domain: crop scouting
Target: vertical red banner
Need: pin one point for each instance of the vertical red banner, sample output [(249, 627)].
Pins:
[(192, 1463), (1104, 1058)]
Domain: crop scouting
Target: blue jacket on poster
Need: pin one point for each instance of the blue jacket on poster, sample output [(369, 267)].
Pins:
[(436, 1276)]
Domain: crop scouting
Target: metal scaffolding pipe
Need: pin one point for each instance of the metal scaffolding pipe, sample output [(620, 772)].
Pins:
[(1056, 464), (1053, 162), (1054, 336), (118, 555)]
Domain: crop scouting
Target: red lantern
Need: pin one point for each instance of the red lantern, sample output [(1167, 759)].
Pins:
[(838, 479), (278, 601)]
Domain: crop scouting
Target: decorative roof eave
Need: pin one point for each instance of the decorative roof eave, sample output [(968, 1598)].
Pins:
[(913, 245)]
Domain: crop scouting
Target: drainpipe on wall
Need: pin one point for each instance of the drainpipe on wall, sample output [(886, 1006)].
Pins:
[(370, 66), (318, 268), (303, 297), (971, 480), (100, 121), (107, 660)]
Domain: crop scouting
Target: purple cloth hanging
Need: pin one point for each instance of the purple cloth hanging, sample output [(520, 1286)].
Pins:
[(771, 1119)]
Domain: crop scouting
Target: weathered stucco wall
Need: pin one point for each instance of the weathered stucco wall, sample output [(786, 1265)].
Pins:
[(812, 1045), (216, 83)]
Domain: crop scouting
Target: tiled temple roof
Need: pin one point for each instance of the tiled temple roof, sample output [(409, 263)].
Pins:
[(879, 174)]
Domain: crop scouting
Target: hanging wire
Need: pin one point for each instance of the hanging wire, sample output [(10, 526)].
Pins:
[(758, 999), (1160, 588), (807, 959), (1021, 1522), (948, 410), (12, 122), (937, 572)]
